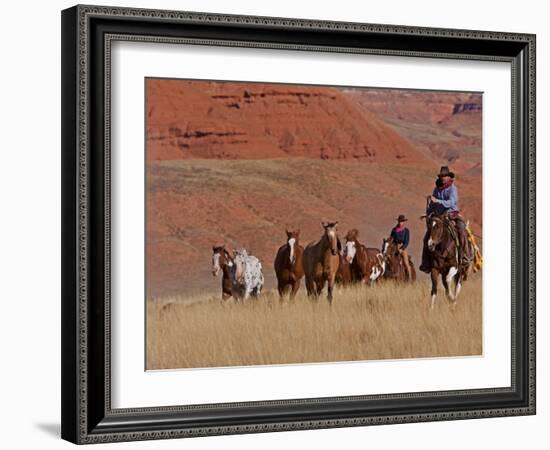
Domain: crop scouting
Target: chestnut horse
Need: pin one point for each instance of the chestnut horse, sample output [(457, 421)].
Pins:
[(223, 261), (395, 267), (367, 264), (443, 255), (321, 261), (343, 275), (288, 265)]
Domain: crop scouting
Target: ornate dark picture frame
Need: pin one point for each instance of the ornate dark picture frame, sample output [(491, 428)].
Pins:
[(87, 34)]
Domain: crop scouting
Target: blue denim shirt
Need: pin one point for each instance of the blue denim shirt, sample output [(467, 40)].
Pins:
[(401, 237), (447, 200)]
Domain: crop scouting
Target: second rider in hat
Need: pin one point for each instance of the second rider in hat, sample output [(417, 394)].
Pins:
[(400, 235)]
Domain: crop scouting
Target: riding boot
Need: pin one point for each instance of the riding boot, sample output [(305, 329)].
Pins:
[(425, 265), (464, 260), (460, 254), (463, 251)]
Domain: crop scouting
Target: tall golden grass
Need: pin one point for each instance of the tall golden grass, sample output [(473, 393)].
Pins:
[(389, 321)]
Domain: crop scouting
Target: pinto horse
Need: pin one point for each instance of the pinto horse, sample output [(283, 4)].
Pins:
[(288, 265), (443, 254), (366, 264), (395, 267), (321, 261), (223, 262)]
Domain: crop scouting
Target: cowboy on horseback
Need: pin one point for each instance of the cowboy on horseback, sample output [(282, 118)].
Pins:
[(444, 202), (400, 235)]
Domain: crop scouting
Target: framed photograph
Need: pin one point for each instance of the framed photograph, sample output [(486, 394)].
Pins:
[(279, 224)]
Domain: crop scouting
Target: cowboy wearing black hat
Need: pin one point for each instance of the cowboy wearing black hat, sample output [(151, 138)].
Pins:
[(444, 201), (400, 235)]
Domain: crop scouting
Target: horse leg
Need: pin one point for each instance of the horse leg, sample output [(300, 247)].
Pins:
[(449, 277), (280, 288), (458, 286), (446, 286), (256, 292), (309, 286), (236, 294), (329, 288), (376, 272), (320, 284), (433, 274), (227, 289), (294, 291)]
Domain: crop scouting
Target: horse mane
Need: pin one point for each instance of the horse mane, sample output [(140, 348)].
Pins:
[(226, 253)]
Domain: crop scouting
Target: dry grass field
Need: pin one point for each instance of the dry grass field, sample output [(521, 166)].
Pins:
[(389, 321)]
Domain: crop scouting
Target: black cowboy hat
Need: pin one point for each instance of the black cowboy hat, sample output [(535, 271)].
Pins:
[(401, 218), (445, 172)]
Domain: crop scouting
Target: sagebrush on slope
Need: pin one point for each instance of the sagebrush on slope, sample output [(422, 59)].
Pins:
[(389, 321)]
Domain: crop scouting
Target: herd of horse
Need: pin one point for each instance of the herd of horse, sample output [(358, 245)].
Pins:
[(326, 262)]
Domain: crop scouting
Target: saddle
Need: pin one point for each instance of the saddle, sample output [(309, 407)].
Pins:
[(449, 221), (476, 256)]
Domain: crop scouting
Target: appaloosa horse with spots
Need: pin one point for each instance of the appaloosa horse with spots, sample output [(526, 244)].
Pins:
[(321, 261), (249, 278), (222, 261), (367, 264), (288, 265), (395, 267), (443, 256)]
